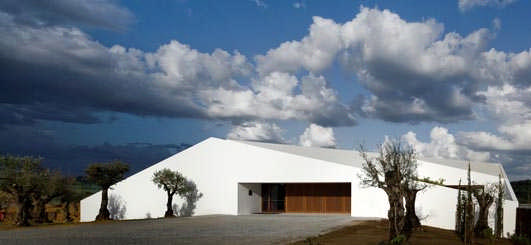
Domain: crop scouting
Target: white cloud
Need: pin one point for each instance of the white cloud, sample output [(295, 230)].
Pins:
[(299, 5), (314, 52), (478, 146), (443, 145), (257, 131), (469, 4), (259, 3), (510, 106), (178, 65), (317, 136), (413, 71), (274, 97)]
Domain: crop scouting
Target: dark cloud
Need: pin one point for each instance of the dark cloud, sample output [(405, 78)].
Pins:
[(100, 13), (73, 159)]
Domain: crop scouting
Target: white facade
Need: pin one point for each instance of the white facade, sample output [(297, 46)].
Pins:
[(225, 170)]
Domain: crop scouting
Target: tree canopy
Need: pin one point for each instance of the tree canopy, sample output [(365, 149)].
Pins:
[(173, 183), (106, 174), (21, 177)]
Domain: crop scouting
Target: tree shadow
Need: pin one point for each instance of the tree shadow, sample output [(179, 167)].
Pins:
[(191, 197), (116, 207)]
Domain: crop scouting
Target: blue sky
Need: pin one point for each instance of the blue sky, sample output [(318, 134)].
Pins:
[(82, 74)]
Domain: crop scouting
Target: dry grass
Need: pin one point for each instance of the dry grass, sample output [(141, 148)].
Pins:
[(374, 232)]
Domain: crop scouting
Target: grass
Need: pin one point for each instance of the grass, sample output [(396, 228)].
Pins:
[(374, 232)]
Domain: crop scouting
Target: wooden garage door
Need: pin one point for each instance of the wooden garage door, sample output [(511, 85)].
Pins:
[(318, 198)]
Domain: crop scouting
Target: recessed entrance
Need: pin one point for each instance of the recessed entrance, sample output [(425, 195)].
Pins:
[(306, 197)]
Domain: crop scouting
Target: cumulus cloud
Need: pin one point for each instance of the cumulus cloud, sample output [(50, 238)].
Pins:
[(443, 145), (257, 131), (273, 97), (174, 81), (314, 52), (413, 70), (511, 107), (317, 136), (474, 146), (469, 4)]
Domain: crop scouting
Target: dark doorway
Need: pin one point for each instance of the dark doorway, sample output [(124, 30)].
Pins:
[(273, 197)]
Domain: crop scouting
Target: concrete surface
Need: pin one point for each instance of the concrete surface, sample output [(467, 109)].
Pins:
[(212, 229)]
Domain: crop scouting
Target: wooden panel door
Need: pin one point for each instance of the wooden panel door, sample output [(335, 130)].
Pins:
[(318, 197)]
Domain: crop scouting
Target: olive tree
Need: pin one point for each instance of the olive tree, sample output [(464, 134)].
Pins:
[(173, 183), (498, 230), (20, 178), (52, 184), (105, 175), (485, 196), (394, 171)]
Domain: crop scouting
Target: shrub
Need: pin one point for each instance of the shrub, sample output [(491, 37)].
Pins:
[(519, 239), (398, 240)]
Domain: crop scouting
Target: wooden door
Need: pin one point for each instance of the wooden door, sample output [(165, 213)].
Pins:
[(318, 197)]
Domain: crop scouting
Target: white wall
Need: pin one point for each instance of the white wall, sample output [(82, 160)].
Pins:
[(218, 166), (249, 204)]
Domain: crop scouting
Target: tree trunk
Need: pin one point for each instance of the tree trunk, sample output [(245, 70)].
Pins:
[(24, 214), (483, 218), (67, 212), (411, 220), (41, 212), (485, 200), (104, 212), (169, 208), (395, 213)]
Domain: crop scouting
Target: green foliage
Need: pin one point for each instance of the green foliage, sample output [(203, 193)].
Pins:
[(487, 233), (469, 211), (51, 185), (398, 240), (519, 239), (5, 199), (498, 219), (428, 180), (106, 174), (21, 177), (460, 213), (394, 171), (314, 240), (171, 181)]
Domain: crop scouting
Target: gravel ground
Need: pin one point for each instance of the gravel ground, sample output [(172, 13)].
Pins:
[(212, 229)]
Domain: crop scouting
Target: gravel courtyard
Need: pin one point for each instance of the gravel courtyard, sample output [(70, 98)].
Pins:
[(213, 229)]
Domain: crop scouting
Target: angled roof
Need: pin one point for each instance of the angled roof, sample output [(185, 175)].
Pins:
[(352, 157)]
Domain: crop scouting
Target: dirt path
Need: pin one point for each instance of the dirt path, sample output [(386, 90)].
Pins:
[(373, 232)]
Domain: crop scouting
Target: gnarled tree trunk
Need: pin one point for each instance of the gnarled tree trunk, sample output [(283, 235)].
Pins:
[(169, 208), (104, 213), (24, 214), (395, 213), (485, 200), (411, 220), (67, 212)]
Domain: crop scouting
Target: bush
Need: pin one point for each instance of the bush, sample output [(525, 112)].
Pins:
[(519, 240), (487, 233), (398, 240)]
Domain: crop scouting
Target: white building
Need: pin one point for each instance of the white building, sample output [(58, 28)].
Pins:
[(240, 177)]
